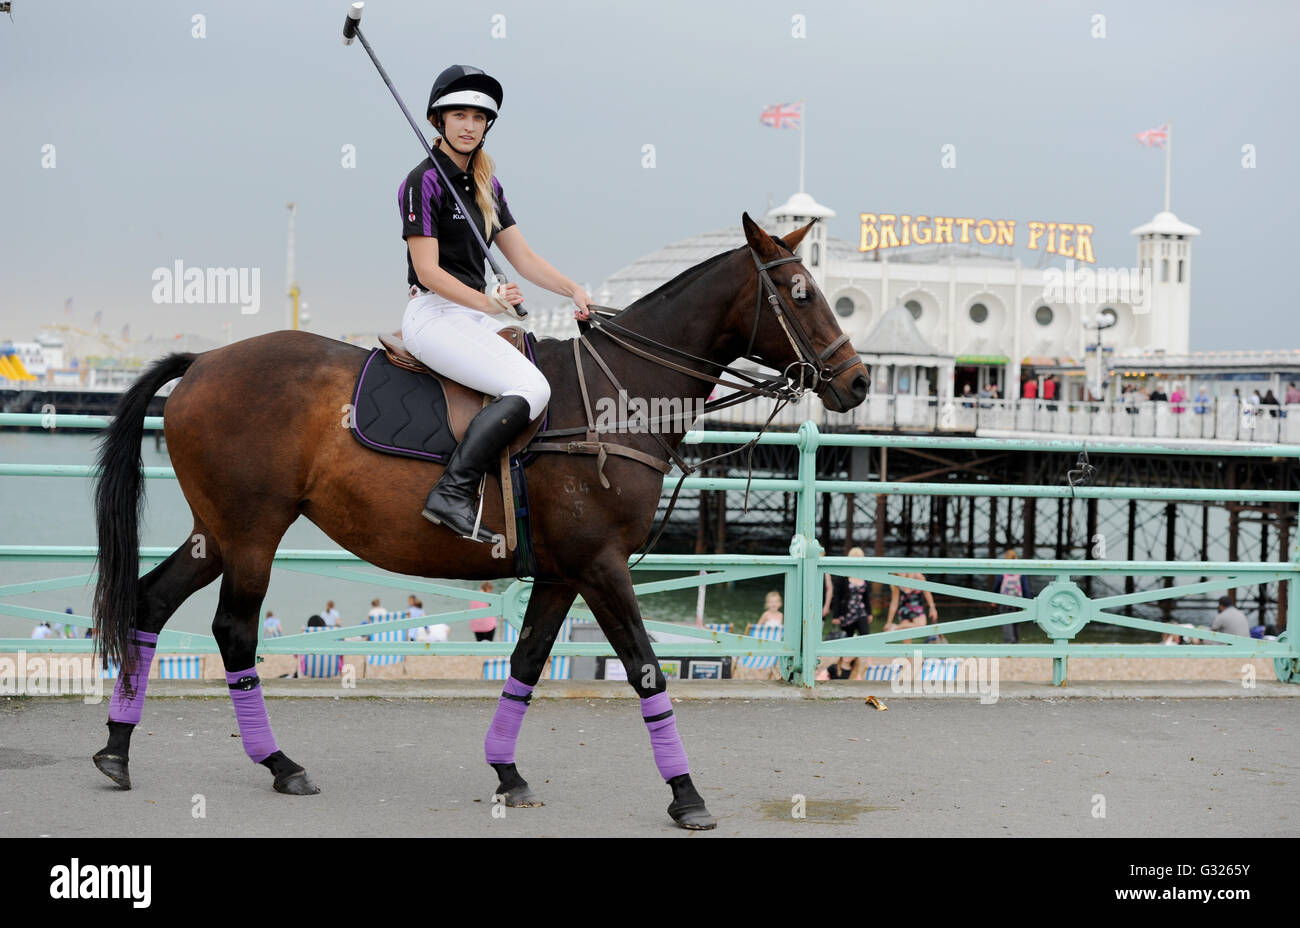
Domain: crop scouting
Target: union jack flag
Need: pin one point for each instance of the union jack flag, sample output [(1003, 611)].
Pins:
[(782, 115), (1154, 138)]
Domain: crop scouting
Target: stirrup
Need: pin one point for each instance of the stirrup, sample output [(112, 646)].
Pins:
[(478, 518)]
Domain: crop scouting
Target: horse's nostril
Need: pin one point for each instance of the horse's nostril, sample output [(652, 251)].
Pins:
[(859, 386)]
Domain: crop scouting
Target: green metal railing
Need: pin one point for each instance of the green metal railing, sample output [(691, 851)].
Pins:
[(1062, 609)]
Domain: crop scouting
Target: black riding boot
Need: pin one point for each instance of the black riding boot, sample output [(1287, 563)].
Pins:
[(454, 499)]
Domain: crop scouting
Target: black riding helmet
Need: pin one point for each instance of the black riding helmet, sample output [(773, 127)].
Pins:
[(463, 85)]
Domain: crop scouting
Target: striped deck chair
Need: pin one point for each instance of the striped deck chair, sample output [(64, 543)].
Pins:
[(392, 634), (498, 668), (880, 672), (720, 627), (939, 668), (762, 633), (560, 669), (108, 670), (320, 666), (181, 667)]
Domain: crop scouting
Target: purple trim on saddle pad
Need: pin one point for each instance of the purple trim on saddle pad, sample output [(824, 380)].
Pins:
[(670, 755), (378, 445), (250, 713), (503, 733), (122, 708)]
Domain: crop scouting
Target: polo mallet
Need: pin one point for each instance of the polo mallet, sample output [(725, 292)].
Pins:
[(351, 30)]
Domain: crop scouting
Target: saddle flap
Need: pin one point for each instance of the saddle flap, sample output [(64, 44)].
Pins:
[(463, 403)]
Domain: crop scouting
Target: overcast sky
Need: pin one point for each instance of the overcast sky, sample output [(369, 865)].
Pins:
[(169, 147)]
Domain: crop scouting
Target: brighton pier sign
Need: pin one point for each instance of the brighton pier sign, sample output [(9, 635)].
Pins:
[(881, 231)]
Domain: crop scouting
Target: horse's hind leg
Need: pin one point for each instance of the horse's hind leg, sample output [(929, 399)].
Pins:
[(243, 586), (161, 591), (547, 606), (607, 588)]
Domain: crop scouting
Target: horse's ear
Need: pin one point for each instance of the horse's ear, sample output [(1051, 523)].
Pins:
[(792, 239), (759, 240)]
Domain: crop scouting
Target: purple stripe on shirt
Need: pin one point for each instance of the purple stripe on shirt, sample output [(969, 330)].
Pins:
[(430, 190)]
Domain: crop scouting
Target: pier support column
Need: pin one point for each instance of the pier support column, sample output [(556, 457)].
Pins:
[(1171, 520), (1130, 582), (993, 525)]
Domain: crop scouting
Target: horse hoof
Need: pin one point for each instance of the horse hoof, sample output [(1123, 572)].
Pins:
[(114, 766), (693, 818), (521, 797), (296, 784)]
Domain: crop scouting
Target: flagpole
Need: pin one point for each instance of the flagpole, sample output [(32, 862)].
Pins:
[(1169, 155), (803, 118)]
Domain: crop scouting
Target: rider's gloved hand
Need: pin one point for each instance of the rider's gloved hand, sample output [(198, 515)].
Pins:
[(503, 298)]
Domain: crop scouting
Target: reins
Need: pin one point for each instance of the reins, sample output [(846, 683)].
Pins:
[(781, 387)]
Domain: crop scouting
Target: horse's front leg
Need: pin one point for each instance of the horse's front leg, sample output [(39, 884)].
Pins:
[(607, 589), (548, 605)]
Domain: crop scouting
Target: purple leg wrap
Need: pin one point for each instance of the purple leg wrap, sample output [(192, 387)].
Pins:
[(120, 707), (499, 746), (250, 712), (670, 756)]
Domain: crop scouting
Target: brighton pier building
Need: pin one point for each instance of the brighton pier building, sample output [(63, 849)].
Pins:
[(939, 307)]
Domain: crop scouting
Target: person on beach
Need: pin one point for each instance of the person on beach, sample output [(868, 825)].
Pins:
[(909, 607), (850, 608), (772, 614), (484, 627), (1010, 584)]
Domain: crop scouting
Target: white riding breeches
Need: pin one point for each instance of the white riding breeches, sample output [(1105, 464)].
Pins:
[(461, 343)]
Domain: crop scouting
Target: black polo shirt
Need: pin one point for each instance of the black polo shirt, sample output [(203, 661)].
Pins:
[(428, 209)]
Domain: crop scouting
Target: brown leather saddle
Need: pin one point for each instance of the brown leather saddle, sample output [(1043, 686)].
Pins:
[(463, 404)]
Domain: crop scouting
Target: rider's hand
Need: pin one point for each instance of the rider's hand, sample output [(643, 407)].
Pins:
[(502, 298), (583, 300)]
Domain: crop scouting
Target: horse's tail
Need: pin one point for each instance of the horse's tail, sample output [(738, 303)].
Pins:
[(119, 499)]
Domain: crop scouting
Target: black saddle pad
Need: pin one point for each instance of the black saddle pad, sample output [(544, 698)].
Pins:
[(397, 411)]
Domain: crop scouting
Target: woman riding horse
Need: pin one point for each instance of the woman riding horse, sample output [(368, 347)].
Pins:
[(452, 320)]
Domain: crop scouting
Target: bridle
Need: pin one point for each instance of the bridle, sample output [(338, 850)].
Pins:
[(809, 372)]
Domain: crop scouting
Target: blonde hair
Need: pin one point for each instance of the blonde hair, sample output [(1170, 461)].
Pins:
[(1011, 552), (772, 593), (483, 167), (855, 551)]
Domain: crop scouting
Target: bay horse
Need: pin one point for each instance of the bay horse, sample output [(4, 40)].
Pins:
[(257, 436)]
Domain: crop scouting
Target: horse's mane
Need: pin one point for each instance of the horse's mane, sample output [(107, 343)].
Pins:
[(670, 289)]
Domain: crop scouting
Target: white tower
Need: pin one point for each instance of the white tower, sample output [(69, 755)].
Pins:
[(1165, 258), (797, 212)]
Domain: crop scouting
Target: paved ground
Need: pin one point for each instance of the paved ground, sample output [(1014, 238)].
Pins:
[(1031, 764)]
